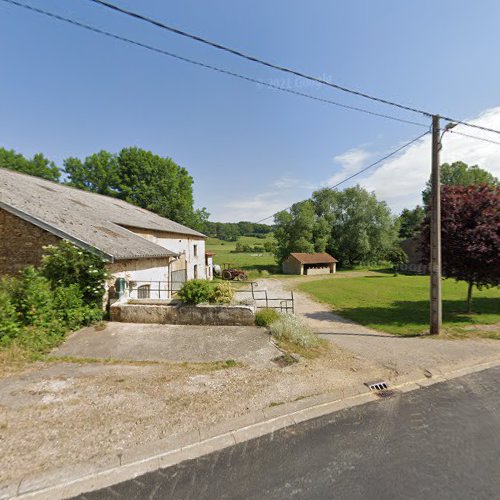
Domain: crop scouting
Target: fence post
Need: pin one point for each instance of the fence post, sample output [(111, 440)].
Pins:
[(293, 303), (267, 303)]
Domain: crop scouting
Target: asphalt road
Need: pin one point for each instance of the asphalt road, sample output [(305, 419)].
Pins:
[(441, 442)]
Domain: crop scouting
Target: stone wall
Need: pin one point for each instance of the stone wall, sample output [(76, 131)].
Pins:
[(21, 243), (180, 314)]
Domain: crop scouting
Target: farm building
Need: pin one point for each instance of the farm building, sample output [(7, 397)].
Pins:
[(309, 264), (154, 255), (412, 248)]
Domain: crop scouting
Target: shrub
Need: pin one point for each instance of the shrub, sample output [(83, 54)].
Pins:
[(222, 293), (35, 316), (9, 325), (32, 297), (292, 329), (195, 292), (71, 309), (266, 317), (65, 264)]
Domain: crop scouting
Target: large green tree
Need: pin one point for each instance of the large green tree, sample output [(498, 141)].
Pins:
[(361, 229), (351, 224), (410, 222), (141, 178), (295, 231), (459, 173), (38, 165)]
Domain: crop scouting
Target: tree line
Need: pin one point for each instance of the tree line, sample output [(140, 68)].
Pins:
[(231, 231), (139, 177), (134, 175)]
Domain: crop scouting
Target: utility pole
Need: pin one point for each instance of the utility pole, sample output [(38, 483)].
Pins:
[(436, 297)]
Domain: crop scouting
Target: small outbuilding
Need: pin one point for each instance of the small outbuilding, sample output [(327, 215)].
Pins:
[(309, 264)]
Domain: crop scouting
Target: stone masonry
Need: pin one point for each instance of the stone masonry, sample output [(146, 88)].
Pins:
[(21, 243)]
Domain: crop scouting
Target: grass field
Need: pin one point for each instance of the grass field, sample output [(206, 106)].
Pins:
[(253, 263), (400, 304)]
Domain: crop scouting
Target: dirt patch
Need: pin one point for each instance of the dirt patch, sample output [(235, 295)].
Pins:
[(55, 414)]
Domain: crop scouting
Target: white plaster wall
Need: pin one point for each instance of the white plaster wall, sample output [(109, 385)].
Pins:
[(148, 270), (181, 244)]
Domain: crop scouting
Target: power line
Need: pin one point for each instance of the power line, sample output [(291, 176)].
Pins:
[(284, 69), (248, 57), (474, 137), (380, 160), (208, 66)]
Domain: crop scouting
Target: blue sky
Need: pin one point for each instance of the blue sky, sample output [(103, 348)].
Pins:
[(67, 92)]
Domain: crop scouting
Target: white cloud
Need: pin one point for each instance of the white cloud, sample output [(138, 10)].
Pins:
[(400, 180), (256, 207), (350, 162), (292, 183)]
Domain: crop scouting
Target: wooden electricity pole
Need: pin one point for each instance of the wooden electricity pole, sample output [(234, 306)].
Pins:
[(435, 262)]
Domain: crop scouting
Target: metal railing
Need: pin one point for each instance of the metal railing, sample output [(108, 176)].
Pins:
[(164, 290), (264, 301), (160, 290)]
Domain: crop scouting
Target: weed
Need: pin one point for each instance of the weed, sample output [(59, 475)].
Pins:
[(266, 317)]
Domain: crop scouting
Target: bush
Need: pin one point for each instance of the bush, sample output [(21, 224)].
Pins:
[(290, 328), (71, 309), (266, 317), (36, 316), (9, 325), (195, 292), (65, 264), (33, 298), (222, 293)]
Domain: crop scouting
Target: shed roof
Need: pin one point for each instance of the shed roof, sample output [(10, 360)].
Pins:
[(89, 220), (314, 258)]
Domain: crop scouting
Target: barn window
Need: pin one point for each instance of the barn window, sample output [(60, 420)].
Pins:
[(195, 250), (195, 272), (143, 292)]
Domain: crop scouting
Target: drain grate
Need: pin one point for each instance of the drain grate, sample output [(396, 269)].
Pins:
[(377, 386)]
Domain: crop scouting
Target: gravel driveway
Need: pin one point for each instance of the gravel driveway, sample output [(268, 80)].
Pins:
[(399, 354)]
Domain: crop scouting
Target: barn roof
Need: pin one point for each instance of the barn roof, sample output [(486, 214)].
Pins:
[(314, 258), (89, 220)]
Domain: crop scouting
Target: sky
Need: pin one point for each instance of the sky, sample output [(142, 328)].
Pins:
[(252, 150)]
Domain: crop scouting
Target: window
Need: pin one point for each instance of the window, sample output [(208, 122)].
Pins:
[(195, 250), (143, 292), (195, 271)]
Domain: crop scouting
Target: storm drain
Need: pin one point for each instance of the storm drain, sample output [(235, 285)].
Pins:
[(377, 386), (381, 389)]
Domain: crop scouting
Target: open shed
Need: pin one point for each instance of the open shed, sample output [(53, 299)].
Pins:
[(309, 263)]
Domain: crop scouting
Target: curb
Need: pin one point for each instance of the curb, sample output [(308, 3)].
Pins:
[(127, 464)]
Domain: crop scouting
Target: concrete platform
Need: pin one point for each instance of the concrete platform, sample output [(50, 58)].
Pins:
[(177, 343)]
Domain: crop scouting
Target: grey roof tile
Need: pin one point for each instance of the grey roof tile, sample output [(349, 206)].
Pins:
[(88, 219)]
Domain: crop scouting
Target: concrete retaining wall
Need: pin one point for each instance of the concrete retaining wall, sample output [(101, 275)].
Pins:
[(181, 314)]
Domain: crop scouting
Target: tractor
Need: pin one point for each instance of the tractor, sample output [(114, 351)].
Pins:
[(230, 273)]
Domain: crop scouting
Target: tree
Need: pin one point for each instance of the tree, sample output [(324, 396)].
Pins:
[(470, 225), (359, 228), (397, 257), (460, 174), (38, 166), (294, 230), (410, 222), (97, 173), (141, 178)]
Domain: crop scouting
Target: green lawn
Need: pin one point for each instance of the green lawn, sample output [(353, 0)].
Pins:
[(253, 262), (400, 304)]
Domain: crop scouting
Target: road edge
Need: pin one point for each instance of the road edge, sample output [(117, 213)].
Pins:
[(129, 464)]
